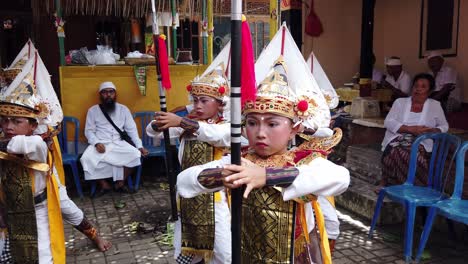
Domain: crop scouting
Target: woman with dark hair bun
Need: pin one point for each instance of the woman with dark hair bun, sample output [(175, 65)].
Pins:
[(408, 118)]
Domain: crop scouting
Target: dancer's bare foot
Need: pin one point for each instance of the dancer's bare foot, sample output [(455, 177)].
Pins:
[(102, 244)]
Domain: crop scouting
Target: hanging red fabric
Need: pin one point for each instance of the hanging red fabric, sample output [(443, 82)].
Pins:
[(164, 63), (248, 83), (313, 25)]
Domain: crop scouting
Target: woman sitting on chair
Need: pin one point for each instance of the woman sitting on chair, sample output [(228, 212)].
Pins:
[(408, 118)]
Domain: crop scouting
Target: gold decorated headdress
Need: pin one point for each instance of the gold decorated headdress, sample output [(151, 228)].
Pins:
[(23, 101), (40, 100), (274, 95), (288, 87), (213, 84), (22, 98)]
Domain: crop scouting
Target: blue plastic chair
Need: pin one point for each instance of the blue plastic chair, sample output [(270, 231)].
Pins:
[(182, 113), (71, 158), (454, 208), (144, 118), (412, 196)]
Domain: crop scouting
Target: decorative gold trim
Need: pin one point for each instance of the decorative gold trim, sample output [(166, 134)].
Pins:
[(10, 109), (277, 105), (212, 91), (44, 167), (324, 144), (10, 74)]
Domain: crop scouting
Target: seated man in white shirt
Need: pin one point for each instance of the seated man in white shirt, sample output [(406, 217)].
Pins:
[(108, 155), (447, 90), (397, 80)]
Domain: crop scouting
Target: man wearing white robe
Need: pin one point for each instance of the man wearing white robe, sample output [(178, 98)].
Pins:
[(107, 154), (447, 90), (397, 80)]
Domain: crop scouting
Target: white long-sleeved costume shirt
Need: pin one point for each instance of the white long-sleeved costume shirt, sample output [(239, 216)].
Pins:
[(432, 115), (314, 178), (218, 135), (34, 148)]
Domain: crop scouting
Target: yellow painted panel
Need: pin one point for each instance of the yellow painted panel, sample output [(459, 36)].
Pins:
[(79, 88)]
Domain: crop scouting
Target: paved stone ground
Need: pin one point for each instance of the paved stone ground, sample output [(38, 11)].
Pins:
[(151, 206), (386, 246)]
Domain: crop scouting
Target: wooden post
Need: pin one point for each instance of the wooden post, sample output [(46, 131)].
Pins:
[(174, 29), (291, 13), (204, 33), (367, 38), (273, 18), (210, 31), (61, 39)]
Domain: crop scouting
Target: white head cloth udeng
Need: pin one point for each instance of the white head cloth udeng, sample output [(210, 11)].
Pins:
[(393, 62), (300, 79), (322, 81), (434, 53), (107, 85)]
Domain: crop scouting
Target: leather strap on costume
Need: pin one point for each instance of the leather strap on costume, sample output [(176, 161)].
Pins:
[(87, 229)]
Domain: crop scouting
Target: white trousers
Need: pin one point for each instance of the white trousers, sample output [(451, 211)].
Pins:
[(111, 163), (43, 233)]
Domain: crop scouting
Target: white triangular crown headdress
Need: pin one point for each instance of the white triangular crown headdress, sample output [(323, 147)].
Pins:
[(304, 102), (33, 72)]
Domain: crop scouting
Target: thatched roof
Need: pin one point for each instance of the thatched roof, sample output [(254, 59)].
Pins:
[(139, 8)]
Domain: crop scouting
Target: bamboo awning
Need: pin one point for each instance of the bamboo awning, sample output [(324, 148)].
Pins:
[(139, 8)]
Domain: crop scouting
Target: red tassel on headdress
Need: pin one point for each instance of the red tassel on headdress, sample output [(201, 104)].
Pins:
[(164, 63), (248, 84)]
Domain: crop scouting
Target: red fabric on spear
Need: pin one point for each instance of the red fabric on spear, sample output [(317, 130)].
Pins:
[(248, 83), (164, 63)]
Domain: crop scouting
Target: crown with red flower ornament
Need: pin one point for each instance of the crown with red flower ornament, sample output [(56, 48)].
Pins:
[(213, 84), (275, 96)]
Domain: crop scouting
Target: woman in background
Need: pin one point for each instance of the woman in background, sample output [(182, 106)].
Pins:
[(408, 118)]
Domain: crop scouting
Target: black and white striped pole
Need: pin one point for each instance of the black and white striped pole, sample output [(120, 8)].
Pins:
[(162, 101), (236, 194)]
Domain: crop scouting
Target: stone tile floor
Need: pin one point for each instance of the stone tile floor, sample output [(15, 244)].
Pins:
[(151, 206)]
